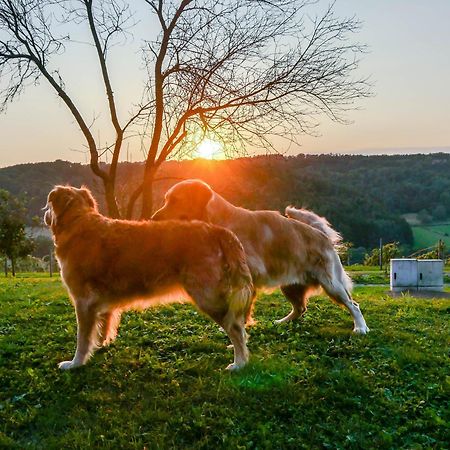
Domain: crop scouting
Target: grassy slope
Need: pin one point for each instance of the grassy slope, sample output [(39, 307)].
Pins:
[(310, 384), (427, 236)]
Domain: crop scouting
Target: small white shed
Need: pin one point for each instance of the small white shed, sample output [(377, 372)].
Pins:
[(420, 274)]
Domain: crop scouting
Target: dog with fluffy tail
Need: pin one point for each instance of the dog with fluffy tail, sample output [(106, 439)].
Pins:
[(296, 253)]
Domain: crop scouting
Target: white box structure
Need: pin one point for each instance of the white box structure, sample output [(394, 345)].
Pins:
[(419, 274)]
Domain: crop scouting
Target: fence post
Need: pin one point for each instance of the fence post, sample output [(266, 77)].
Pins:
[(381, 254), (440, 249)]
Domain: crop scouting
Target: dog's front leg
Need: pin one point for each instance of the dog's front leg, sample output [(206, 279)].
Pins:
[(86, 335)]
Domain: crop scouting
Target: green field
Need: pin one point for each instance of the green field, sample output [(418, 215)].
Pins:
[(310, 384), (428, 235)]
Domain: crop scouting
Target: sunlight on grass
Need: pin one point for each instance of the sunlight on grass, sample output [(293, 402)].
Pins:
[(309, 384), (264, 375)]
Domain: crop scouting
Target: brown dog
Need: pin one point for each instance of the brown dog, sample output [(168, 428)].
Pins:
[(296, 253), (110, 266)]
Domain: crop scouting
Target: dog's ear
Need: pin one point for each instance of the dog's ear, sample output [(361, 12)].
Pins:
[(202, 195), (87, 196), (59, 199)]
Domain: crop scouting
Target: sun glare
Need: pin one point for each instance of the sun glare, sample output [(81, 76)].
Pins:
[(208, 149)]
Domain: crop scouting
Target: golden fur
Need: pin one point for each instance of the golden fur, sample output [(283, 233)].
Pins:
[(296, 253), (111, 265)]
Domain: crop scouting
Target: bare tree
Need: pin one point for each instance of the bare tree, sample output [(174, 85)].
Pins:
[(247, 73), (244, 72), (27, 43)]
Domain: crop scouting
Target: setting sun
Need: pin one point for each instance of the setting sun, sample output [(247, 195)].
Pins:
[(209, 149)]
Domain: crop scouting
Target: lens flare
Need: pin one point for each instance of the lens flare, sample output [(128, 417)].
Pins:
[(208, 149)]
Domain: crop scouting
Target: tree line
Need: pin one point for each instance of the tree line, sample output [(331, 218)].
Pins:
[(364, 197), (243, 72)]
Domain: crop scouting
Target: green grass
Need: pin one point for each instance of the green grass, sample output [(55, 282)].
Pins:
[(369, 276), (428, 235), (310, 384), (373, 275), (362, 268)]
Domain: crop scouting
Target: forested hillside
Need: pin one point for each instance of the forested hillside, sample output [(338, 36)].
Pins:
[(363, 196)]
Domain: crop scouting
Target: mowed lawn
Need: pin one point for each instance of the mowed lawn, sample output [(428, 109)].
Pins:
[(310, 384)]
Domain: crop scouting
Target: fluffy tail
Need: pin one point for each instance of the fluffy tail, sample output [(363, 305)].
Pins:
[(315, 221), (241, 287)]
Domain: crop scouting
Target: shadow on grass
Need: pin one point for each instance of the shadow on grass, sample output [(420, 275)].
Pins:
[(162, 384)]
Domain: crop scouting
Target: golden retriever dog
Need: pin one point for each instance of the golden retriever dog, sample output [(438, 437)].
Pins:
[(296, 253), (109, 266)]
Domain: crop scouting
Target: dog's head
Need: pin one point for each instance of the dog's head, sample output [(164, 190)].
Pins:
[(63, 201), (186, 200)]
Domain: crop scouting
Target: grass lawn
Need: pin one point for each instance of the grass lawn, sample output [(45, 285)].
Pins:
[(373, 275), (310, 384), (367, 275)]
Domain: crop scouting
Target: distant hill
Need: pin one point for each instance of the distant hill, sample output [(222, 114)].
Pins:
[(363, 196)]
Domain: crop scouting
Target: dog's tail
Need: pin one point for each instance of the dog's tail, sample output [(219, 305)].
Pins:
[(322, 224), (315, 221), (239, 279)]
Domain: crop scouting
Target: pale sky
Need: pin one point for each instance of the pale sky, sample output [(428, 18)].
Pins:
[(408, 62)]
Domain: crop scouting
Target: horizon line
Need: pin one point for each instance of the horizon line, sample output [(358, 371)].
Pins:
[(375, 151)]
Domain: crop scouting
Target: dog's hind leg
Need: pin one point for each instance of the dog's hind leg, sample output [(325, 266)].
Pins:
[(341, 296), (297, 294), (86, 335), (230, 315), (234, 326), (235, 329), (108, 324)]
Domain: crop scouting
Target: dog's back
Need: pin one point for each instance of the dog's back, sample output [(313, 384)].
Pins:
[(297, 253), (113, 265)]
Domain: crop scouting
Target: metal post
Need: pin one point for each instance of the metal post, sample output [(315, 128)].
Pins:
[(381, 254)]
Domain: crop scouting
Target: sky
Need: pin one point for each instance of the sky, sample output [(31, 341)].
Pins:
[(408, 63)]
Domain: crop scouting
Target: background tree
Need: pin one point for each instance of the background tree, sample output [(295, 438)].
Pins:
[(438, 252), (344, 252), (247, 73), (29, 43), (14, 242), (390, 251), (243, 72), (439, 212)]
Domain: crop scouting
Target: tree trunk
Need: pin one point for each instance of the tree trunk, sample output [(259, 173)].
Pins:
[(147, 194), (132, 201), (13, 267), (111, 203)]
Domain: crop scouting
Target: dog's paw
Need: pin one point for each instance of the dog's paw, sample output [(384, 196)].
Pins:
[(66, 365), (289, 318), (279, 321), (233, 367), (106, 342), (361, 330)]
